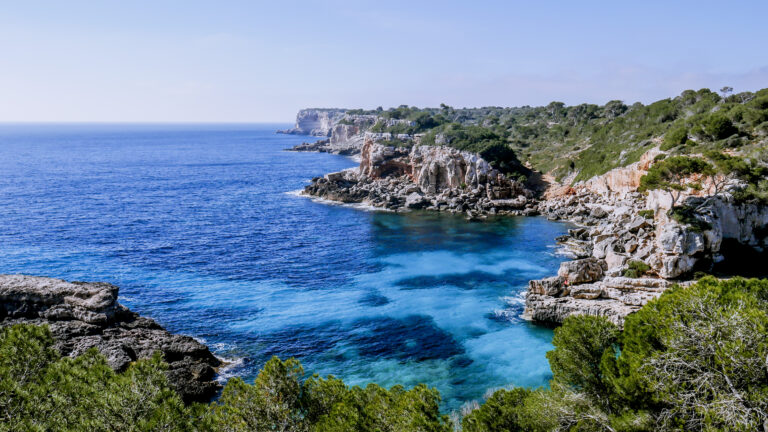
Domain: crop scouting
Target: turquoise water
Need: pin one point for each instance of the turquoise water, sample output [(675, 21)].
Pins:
[(199, 228)]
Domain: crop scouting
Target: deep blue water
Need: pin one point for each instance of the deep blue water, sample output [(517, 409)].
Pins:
[(197, 226)]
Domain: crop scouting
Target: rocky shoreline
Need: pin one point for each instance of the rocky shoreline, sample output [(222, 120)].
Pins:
[(84, 315), (424, 177), (626, 250)]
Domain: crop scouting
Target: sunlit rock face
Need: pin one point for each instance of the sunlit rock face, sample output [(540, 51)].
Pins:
[(316, 121), (398, 173), (622, 228)]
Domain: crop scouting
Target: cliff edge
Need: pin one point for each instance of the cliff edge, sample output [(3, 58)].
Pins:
[(315, 122)]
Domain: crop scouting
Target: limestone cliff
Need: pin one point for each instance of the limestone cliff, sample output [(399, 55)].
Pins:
[(415, 176), (621, 226), (316, 121), (347, 135)]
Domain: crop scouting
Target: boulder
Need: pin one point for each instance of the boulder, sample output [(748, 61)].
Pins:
[(598, 212), (414, 200), (637, 223), (582, 270), (551, 286)]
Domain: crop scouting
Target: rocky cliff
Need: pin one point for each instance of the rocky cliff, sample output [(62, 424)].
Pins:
[(621, 230), (315, 121), (347, 136), (84, 315), (413, 176)]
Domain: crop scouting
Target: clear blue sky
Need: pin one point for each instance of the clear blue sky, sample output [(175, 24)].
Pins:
[(164, 60)]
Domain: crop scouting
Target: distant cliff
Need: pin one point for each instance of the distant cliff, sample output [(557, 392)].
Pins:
[(316, 121)]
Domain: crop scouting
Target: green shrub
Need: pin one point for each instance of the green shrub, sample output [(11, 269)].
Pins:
[(718, 126), (672, 174), (46, 392), (648, 214), (674, 138), (635, 269), (695, 357), (700, 274), (499, 413), (396, 142)]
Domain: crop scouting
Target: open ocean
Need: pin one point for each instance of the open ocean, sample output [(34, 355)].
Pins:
[(201, 228)]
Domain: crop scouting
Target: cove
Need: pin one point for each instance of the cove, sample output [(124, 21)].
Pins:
[(199, 228)]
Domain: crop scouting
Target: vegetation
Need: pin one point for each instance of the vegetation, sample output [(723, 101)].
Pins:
[(692, 360), (635, 269), (586, 140), (673, 175), (41, 391), (648, 214), (686, 215)]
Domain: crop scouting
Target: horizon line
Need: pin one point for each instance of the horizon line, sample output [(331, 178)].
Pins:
[(137, 122)]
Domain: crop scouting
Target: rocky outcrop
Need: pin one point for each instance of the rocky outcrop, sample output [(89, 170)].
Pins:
[(621, 180), (84, 315), (621, 228), (620, 231), (413, 176), (315, 121), (580, 288), (347, 136)]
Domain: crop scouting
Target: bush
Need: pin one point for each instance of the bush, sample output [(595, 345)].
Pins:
[(718, 126), (396, 142), (635, 269), (648, 214), (696, 356), (43, 391), (674, 138), (499, 413)]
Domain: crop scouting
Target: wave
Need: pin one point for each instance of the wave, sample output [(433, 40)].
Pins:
[(230, 368), (358, 206)]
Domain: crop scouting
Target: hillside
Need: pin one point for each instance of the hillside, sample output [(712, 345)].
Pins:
[(587, 140)]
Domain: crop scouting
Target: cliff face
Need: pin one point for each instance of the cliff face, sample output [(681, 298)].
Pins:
[(348, 138), (347, 135), (84, 315), (315, 121), (430, 177), (615, 233), (622, 180)]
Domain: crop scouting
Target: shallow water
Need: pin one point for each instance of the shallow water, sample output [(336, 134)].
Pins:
[(199, 228)]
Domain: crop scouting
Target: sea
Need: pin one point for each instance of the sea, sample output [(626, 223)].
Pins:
[(203, 229)]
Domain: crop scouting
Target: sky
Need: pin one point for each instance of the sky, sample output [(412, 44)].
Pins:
[(258, 61)]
